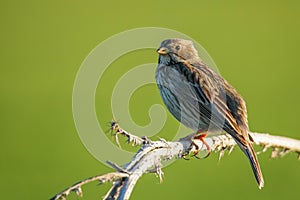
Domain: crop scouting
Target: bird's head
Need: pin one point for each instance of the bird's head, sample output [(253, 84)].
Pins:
[(176, 50)]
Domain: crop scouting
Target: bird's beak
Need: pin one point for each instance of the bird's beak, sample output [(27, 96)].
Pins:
[(162, 51)]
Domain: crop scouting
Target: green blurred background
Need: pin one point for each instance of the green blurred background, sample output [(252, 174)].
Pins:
[(43, 43)]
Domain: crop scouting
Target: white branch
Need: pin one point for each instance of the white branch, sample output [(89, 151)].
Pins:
[(152, 154), (280, 145)]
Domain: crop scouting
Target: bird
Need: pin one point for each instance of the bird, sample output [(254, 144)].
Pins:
[(202, 99)]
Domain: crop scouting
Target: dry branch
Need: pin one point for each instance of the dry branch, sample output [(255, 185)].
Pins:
[(152, 155)]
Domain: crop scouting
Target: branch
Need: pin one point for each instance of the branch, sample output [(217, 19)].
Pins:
[(152, 155), (77, 186), (281, 145)]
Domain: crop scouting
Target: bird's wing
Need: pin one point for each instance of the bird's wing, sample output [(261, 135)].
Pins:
[(232, 106), (224, 98)]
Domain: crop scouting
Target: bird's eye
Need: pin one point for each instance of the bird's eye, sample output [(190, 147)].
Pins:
[(177, 47)]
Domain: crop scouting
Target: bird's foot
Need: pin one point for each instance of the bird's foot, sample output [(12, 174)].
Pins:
[(185, 156), (202, 139)]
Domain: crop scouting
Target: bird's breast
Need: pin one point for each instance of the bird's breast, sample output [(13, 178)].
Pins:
[(181, 96)]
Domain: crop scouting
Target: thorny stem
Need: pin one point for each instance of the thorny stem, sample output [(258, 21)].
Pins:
[(150, 156)]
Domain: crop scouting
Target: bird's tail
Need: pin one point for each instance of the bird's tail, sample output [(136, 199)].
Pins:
[(248, 150)]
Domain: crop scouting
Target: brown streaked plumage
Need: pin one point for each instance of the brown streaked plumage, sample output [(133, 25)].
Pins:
[(201, 99)]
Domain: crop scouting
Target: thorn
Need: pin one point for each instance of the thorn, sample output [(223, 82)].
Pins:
[(284, 152), (222, 152), (162, 140), (275, 152), (160, 173), (146, 140), (66, 194), (133, 141), (264, 149), (114, 126), (101, 181), (78, 191), (117, 140), (230, 149)]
